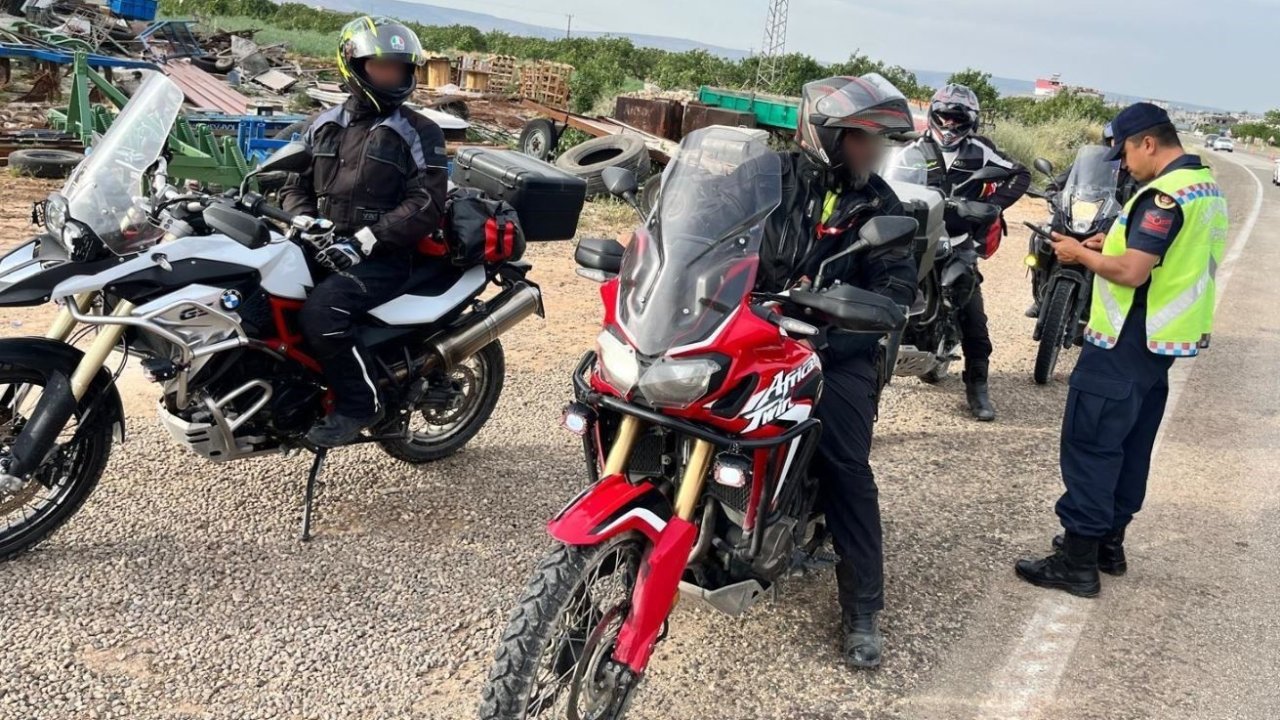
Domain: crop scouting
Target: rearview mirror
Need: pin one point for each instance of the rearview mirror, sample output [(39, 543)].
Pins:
[(1043, 166), (620, 182), (887, 230), (989, 173), (293, 158)]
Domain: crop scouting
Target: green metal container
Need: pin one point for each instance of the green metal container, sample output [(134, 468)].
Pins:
[(770, 110)]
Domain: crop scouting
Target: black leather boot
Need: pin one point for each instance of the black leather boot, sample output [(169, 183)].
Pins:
[(1073, 569), (1111, 558), (975, 390), (862, 642)]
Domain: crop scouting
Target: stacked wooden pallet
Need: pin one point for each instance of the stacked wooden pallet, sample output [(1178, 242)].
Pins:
[(546, 82), (503, 74)]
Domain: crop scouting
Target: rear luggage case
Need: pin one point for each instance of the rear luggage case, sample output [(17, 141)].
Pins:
[(547, 199)]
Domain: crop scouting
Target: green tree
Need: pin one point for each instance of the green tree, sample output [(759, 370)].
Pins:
[(980, 83)]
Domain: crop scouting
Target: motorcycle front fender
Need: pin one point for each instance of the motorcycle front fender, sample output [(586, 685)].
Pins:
[(609, 508)]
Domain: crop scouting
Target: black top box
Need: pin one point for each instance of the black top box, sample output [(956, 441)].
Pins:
[(548, 199)]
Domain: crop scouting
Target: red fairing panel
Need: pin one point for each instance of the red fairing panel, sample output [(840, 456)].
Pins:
[(611, 507)]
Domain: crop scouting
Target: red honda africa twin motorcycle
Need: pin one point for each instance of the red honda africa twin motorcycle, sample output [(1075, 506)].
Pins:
[(695, 413)]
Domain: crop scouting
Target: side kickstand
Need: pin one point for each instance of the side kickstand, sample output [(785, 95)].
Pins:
[(310, 495)]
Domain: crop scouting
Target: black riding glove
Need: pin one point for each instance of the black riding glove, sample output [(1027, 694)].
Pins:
[(346, 253)]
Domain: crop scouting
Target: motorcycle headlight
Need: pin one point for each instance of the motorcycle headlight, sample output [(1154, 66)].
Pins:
[(677, 383), (1082, 216), (55, 214), (618, 363)]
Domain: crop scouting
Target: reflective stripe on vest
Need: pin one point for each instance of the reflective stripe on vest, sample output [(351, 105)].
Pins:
[(1180, 295)]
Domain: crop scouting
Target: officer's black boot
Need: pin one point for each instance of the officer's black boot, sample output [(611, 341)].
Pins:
[(859, 606), (1033, 310), (975, 390), (1111, 558), (1074, 568)]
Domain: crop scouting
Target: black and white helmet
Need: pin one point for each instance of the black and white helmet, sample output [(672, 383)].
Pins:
[(836, 105), (953, 115)]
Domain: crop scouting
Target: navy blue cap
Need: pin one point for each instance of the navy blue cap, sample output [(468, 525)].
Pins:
[(1133, 120)]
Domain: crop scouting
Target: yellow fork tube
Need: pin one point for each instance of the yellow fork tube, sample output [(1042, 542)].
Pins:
[(63, 323), (96, 355), (695, 476), (620, 454)]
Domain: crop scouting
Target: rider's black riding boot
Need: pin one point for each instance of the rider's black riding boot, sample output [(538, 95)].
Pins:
[(1111, 558), (976, 391), (348, 374), (1073, 569), (859, 605)]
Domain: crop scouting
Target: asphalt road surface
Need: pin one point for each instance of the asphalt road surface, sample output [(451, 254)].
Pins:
[(180, 591)]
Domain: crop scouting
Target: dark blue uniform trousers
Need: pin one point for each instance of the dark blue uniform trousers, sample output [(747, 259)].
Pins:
[(1114, 409)]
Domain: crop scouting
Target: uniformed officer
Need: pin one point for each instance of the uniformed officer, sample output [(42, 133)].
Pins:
[(1153, 301)]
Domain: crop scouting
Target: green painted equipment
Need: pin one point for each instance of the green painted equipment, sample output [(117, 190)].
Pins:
[(773, 111)]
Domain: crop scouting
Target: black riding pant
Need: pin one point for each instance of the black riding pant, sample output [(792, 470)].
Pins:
[(329, 322), (849, 496), (975, 339)]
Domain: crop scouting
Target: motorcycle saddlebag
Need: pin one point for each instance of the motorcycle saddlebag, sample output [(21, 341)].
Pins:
[(547, 199), (478, 230)]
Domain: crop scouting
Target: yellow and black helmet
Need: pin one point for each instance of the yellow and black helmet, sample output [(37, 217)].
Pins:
[(377, 37)]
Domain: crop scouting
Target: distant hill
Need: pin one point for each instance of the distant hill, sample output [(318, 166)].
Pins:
[(436, 15)]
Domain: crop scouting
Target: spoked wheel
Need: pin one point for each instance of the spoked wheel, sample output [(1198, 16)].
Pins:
[(32, 508), (454, 408), (555, 658)]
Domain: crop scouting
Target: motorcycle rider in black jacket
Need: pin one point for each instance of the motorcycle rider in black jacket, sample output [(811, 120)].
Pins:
[(379, 173), (954, 152), (830, 192)]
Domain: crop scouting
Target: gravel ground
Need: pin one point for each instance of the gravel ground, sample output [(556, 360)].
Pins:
[(180, 590)]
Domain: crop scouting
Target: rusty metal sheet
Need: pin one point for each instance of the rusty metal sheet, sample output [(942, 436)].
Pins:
[(697, 116), (660, 117), (204, 90)]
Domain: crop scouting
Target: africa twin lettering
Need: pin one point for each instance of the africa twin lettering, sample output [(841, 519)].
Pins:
[(774, 401)]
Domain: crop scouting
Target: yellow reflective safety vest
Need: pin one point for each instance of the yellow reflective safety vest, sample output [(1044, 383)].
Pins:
[(1180, 300)]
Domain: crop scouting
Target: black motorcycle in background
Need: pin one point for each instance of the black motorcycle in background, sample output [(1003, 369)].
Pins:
[(1084, 206)]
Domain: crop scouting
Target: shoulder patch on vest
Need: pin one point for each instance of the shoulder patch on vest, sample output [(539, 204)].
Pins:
[(1164, 201), (1157, 223)]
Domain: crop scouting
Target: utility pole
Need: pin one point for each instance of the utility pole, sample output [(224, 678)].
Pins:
[(568, 29), (775, 39)]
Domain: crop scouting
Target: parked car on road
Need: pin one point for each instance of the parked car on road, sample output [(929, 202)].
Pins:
[(1209, 140), (1275, 172), (1225, 144)]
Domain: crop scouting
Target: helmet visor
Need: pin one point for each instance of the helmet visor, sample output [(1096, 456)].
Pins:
[(868, 103)]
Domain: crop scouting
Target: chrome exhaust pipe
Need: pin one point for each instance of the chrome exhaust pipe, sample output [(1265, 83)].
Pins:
[(504, 312)]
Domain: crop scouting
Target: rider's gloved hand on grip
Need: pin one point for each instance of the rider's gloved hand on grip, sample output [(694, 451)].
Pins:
[(341, 254), (344, 253)]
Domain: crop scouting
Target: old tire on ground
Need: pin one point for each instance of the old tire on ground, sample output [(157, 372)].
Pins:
[(590, 158), (538, 139), (649, 193), (216, 65), (44, 162)]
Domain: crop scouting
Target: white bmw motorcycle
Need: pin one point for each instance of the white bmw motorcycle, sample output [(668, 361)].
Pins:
[(205, 292)]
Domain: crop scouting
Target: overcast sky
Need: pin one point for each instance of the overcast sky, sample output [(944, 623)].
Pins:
[(1224, 53)]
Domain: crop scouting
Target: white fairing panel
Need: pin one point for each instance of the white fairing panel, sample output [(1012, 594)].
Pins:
[(424, 309), (281, 264)]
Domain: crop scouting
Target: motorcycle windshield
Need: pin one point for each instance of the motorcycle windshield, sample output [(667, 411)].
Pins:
[(1090, 190), (107, 192), (687, 271), (906, 164)]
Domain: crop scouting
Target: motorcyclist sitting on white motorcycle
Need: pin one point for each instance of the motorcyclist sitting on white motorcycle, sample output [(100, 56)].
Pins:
[(830, 192), (379, 173)]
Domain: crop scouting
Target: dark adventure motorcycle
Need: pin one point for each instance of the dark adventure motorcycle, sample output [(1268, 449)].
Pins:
[(1084, 206), (947, 264), (204, 292)]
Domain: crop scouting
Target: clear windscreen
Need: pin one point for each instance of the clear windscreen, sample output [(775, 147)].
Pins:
[(107, 191), (1089, 194), (685, 273), (905, 164)]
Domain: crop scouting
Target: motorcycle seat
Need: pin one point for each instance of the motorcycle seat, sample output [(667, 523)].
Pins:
[(432, 292)]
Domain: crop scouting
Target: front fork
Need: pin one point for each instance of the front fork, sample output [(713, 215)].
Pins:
[(61, 396), (658, 581)]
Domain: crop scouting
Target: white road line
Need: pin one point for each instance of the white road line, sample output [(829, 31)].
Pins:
[(1028, 681)]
